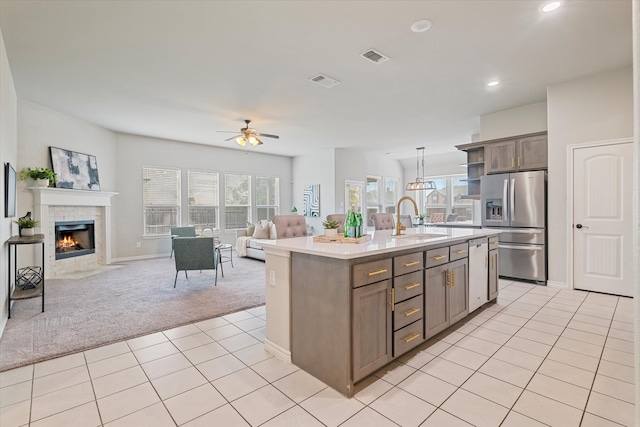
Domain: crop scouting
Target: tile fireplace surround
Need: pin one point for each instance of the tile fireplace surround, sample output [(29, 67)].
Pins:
[(53, 205)]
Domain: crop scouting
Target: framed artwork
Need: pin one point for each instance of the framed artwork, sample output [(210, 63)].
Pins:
[(311, 200), (75, 170), (9, 191)]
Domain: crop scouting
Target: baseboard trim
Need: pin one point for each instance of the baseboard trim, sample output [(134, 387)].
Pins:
[(139, 257), (277, 351), (560, 285)]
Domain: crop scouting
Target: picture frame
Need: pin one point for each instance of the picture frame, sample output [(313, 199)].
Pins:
[(311, 200), (10, 190), (75, 170)]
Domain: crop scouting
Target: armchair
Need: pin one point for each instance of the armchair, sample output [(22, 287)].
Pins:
[(195, 253), (181, 232)]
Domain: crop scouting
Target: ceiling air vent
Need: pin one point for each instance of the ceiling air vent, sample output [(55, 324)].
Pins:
[(324, 81), (374, 56)]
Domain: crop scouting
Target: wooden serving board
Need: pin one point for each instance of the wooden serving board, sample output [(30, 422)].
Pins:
[(342, 239)]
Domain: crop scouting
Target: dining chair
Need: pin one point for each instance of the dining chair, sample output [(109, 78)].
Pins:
[(383, 221)]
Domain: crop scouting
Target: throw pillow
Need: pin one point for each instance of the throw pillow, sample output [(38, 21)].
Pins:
[(273, 234), (262, 230), (251, 228)]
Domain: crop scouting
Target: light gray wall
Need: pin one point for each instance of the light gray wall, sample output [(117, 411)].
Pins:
[(134, 151), (316, 168), (590, 109), (40, 127), (356, 164), (8, 153), (514, 121)]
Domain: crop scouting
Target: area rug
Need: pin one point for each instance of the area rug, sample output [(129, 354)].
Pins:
[(121, 303)]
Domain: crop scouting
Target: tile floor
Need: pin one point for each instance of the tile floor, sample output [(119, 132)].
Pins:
[(539, 356)]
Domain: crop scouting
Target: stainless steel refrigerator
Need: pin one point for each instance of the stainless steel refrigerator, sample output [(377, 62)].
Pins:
[(516, 204)]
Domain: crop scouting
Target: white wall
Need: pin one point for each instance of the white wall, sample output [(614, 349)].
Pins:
[(355, 165), (134, 151), (590, 109), (514, 121), (8, 153), (316, 168)]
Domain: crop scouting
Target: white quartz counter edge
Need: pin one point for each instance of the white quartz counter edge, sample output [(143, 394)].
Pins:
[(381, 242)]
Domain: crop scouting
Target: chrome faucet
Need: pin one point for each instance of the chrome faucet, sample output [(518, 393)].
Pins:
[(400, 227)]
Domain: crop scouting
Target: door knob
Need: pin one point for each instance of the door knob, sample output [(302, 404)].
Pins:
[(579, 226)]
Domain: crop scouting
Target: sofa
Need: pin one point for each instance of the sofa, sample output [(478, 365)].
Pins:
[(249, 241)]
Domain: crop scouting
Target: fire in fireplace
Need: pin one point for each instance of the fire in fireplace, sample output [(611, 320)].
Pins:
[(74, 238)]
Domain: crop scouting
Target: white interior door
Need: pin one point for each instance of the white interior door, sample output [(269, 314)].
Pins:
[(602, 218)]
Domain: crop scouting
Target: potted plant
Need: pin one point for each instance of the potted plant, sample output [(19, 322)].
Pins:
[(26, 226), (294, 210), (330, 228), (421, 218), (42, 176)]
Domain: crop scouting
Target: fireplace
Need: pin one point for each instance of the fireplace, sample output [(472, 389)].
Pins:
[(74, 238)]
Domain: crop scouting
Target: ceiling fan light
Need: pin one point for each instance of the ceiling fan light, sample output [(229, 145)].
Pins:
[(253, 140), (241, 141)]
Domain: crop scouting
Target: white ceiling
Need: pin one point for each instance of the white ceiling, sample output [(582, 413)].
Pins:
[(184, 69)]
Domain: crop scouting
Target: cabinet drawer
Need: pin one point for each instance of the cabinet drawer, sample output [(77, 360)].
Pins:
[(407, 338), (459, 251), (371, 272), (409, 285), (408, 263), (408, 312), (437, 257)]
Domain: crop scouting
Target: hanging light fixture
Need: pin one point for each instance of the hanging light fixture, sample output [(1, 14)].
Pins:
[(420, 183)]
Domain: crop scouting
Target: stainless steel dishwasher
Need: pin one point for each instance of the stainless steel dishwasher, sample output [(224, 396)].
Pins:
[(478, 273)]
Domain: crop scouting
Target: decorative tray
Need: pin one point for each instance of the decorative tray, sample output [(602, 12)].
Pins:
[(342, 239)]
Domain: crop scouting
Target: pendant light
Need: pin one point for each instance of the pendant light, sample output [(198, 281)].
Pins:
[(420, 183)]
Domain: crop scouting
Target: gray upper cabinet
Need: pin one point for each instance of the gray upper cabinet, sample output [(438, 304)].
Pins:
[(527, 153)]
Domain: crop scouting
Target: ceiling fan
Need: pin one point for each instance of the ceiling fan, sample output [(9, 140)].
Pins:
[(248, 135)]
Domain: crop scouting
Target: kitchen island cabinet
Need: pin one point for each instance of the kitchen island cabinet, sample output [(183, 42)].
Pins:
[(342, 311)]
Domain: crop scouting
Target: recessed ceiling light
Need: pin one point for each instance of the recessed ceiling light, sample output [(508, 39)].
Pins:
[(493, 83), (388, 154), (421, 26), (551, 6)]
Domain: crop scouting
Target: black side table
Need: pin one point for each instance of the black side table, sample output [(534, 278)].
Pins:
[(36, 284)]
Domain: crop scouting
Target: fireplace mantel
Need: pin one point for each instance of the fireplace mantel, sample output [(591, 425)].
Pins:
[(67, 197), (47, 198)]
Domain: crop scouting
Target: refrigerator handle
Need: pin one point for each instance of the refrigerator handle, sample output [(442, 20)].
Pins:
[(505, 199), (512, 207)]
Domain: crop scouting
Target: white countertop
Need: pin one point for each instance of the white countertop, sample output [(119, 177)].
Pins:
[(382, 241)]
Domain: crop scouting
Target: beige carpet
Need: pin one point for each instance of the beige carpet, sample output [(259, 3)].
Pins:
[(120, 303)]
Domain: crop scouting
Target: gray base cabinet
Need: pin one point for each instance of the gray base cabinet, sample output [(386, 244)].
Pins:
[(349, 318), (446, 295), (493, 274), (371, 328)]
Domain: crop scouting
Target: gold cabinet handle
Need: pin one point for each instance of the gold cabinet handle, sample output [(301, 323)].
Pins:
[(438, 257), (411, 312), (461, 251), (492, 263), (493, 243), (414, 285), (373, 273), (409, 264), (393, 299), (411, 338), (453, 280)]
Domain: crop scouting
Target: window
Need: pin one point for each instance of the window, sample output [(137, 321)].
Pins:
[(390, 194), (373, 200), (203, 199), (267, 197), (161, 199), (237, 197), (449, 197)]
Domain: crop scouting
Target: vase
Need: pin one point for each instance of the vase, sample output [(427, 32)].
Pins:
[(331, 233), (42, 182), (26, 232)]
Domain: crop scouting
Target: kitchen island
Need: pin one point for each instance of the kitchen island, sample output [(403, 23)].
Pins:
[(342, 311)]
